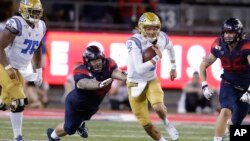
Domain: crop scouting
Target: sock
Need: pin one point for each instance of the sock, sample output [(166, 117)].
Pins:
[(16, 121), (165, 122), (54, 135), (162, 139), (217, 138)]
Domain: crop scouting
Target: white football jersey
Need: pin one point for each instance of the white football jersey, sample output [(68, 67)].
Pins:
[(137, 70), (20, 52)]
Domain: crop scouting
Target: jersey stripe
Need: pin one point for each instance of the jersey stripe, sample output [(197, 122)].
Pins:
[(81, 71), (137, 42), (19, 26)]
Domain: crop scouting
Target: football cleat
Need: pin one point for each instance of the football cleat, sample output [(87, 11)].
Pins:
[(49, 132), (82, 130), (173, 133), (19, 138)]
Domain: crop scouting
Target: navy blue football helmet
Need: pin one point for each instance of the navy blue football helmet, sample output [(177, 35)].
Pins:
[(93, 53), (232, 25)]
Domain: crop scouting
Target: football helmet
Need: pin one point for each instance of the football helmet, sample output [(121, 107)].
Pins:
[(31, 10), (232, 25), (93, 53), (147, 20)]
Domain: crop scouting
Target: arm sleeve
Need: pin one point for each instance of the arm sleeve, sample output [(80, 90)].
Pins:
[(112, 65), (135, 51), (246, 48), (80, 73), (215, 48), (170, 50), (14, 26)]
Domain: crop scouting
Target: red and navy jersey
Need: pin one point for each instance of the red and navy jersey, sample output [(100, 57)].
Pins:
[(234, 62), (93, 97)]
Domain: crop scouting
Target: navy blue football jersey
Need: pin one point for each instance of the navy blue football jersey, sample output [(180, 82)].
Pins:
[(93, 98), (234, 62)]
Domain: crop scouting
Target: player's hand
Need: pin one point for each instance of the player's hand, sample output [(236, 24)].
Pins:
[(246, 97), (207, 92), (172, 74), (39, 79), (105, 83), (157, 51), (12, 73)]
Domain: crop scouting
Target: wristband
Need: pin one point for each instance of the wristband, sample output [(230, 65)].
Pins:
[(40, 70), (156, 58), (7, 67), (204, 83), (173, 66)]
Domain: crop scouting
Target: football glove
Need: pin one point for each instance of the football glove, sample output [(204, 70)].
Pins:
[(246, 97), (39, 79), (207, 92)]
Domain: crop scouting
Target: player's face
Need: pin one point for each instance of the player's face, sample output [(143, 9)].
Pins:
[(96, 64), (151, 31), (229, 36), (35, 14)]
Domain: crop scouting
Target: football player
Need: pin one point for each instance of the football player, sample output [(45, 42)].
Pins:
[(93, 80), (19, 44), (234, 97), (142, 82)]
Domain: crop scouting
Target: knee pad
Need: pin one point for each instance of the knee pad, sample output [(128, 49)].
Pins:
[(18, 105), (18, 109)]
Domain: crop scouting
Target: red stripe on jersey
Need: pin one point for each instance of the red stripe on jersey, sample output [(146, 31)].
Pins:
[(215, 43), (245, 46), (111, 63), (81, 71)]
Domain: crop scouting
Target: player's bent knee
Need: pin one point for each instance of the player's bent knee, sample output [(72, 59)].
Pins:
[(18, 109), (18, 105)]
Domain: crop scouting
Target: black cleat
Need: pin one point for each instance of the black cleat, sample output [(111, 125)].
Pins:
[(19, 138), (82, 130)]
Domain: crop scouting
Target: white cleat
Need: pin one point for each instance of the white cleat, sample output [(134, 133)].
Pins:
[(173, 133), (226, 134)]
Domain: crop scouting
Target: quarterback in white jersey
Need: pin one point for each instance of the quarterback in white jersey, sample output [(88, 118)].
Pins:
[(20, 43), (142, 82), (139, 71)]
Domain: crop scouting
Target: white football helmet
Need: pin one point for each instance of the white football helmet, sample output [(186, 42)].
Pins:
[(31, 10), (149, 19)]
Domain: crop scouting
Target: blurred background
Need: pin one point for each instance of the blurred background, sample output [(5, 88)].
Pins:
[(192, 25)]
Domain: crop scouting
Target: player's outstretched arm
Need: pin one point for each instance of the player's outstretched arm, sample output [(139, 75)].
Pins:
[(118, 74), (92, 84)]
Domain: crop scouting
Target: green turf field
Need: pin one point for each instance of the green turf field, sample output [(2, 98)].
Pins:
[(35, 130)]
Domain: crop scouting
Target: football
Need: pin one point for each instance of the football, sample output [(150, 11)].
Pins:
[(148, 54)]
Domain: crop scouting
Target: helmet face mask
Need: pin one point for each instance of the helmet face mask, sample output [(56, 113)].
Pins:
[(31, 10), (149, 26), (232, 31), (96, 64), (93, 57)]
